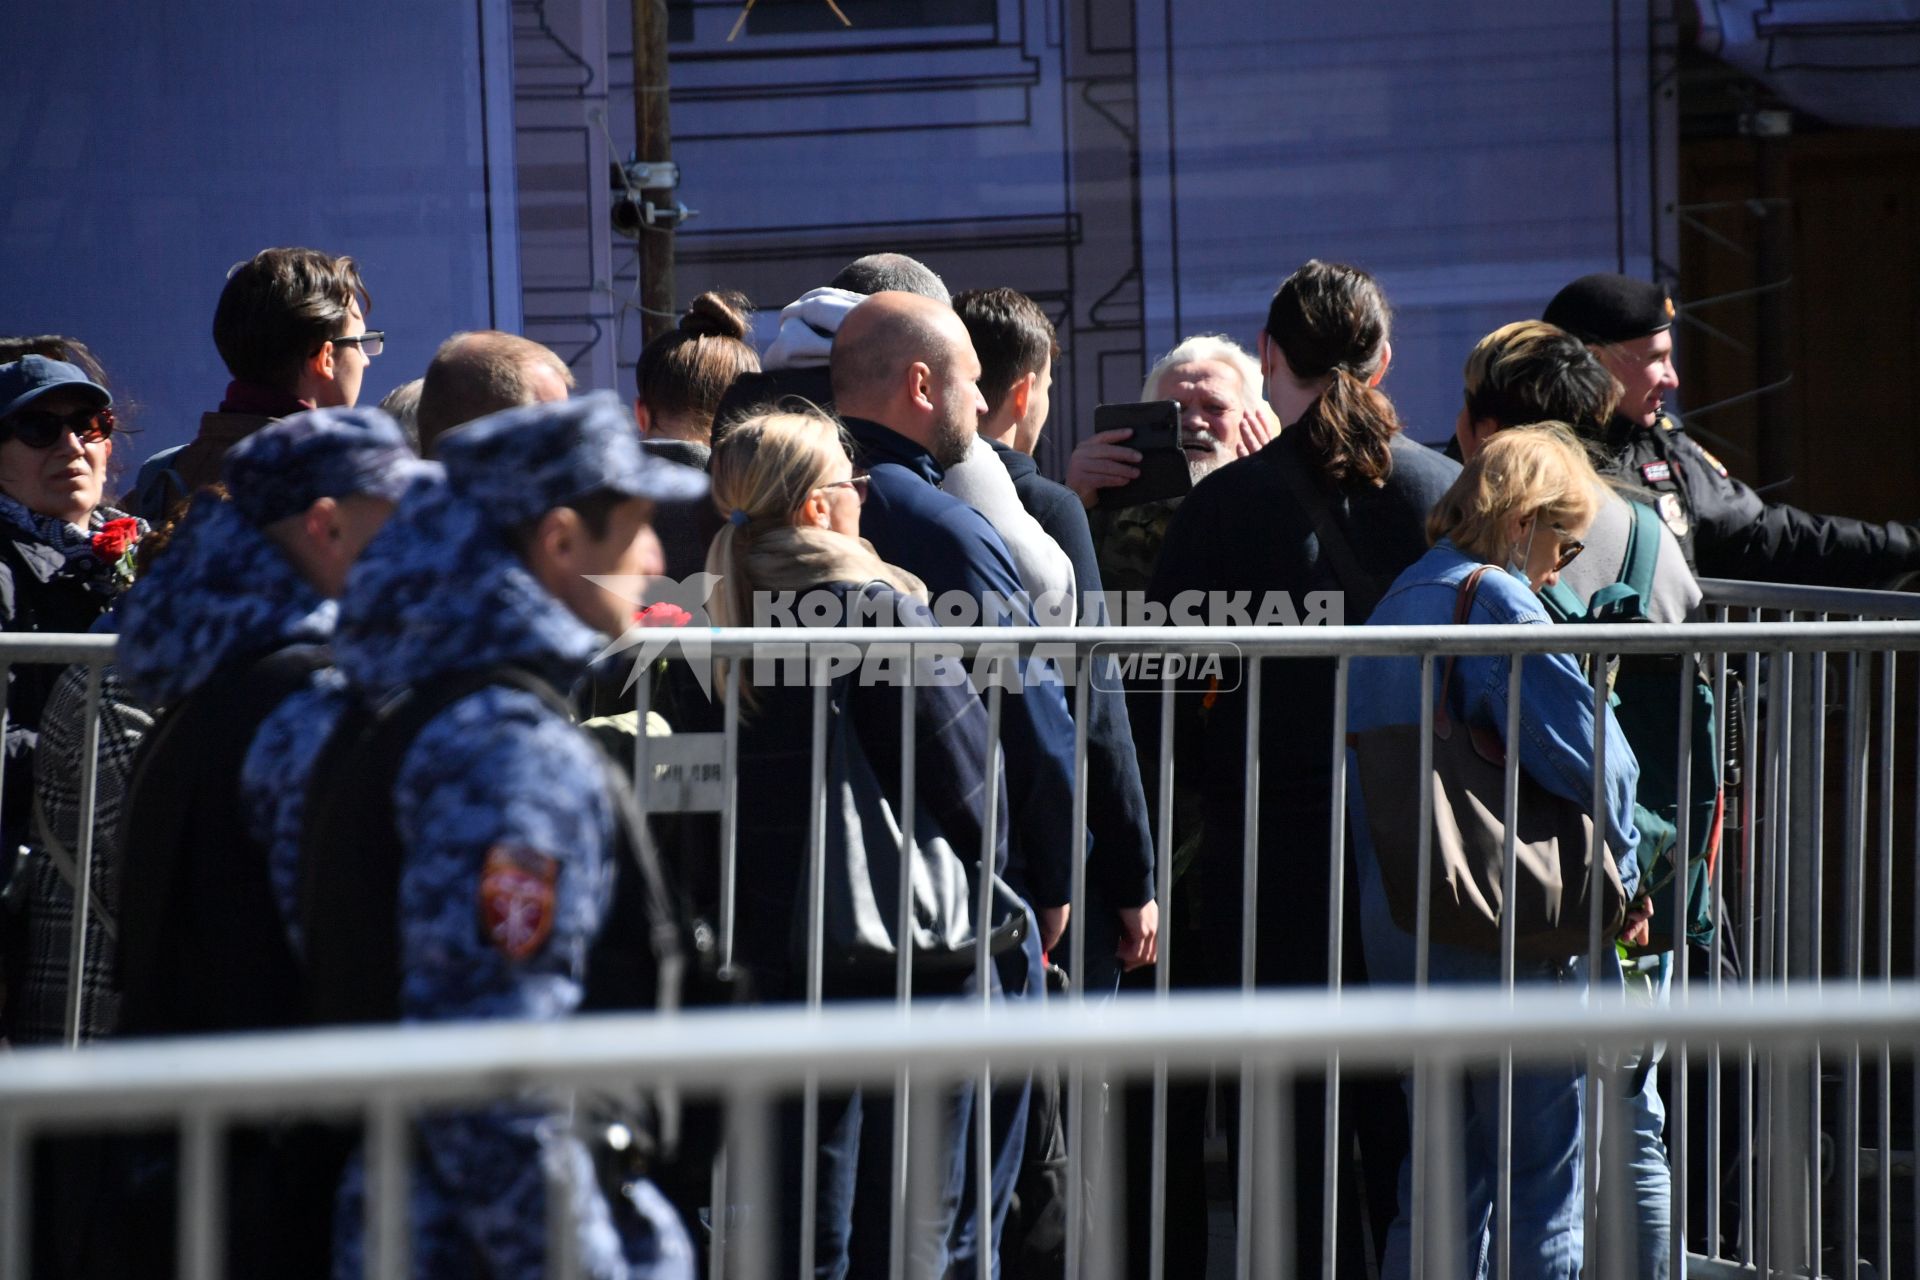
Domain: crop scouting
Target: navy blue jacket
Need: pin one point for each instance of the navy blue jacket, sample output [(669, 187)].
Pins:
[(951, 547), (1121, 863)]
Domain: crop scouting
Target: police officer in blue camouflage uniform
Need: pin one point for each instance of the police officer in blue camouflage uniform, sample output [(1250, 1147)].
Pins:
[(260, 571), (501, 806), (1725, 529), (243, 580)]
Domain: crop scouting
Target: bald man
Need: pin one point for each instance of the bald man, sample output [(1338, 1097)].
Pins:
[(905, 379), (482, 372)]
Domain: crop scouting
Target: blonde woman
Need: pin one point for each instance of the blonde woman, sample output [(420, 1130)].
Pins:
[(1522, 504), (786, 485)]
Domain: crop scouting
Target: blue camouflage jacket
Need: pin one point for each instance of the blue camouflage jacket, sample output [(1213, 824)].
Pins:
[(222, 594), (507, 830)]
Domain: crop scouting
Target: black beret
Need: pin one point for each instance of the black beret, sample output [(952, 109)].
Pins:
[(1606, 308)]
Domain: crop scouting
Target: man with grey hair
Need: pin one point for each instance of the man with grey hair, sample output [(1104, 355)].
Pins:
[(795, 363), (890, 273), (482, 372), (1223, 416)]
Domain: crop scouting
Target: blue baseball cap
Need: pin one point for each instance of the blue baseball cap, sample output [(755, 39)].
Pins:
[(30, 377), (286, 466), (521, 463)]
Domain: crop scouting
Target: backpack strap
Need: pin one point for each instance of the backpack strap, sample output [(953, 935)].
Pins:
[(195, 890), (1562, 603), (1643, 551), (351, 858)]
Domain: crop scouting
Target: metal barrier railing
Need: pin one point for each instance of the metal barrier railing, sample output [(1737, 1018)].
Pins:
[(1778, 912), (379, 1076)]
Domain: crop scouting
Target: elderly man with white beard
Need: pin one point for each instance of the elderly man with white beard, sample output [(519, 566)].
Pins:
[(1223, 416)]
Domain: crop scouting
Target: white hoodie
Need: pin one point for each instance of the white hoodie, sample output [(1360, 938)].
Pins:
[(807, 326)]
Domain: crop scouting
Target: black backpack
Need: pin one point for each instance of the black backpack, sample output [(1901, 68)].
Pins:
[(202, 949), (649, 954), (351, 854), (202, 946)]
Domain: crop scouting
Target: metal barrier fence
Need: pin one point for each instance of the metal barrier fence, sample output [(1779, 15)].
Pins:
[(1817, 983)]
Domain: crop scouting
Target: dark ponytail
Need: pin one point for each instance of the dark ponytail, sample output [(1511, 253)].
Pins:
[(1329, 320), (682, 374)]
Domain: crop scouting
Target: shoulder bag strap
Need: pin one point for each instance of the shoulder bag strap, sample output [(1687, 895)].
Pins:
[(1353, 579), (1462, 611)]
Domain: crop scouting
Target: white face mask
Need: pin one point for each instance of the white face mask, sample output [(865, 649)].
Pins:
[(1518, 567)]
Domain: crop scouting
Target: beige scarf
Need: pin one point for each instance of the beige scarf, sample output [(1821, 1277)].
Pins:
[(799, 557)]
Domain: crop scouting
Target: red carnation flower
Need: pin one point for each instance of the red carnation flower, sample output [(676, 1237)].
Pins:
[(116, 538), (664, 614)]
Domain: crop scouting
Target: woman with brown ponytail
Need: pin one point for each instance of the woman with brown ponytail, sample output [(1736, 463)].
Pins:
[(1317, 523), (679, 380)]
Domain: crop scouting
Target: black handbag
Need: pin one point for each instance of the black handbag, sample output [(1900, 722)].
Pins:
[(865, 853)]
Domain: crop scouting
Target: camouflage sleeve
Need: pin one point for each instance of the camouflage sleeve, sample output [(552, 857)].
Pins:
[(501, 808)]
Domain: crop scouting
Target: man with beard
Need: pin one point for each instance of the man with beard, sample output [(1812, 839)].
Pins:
[(906, 381), (1222, 417)]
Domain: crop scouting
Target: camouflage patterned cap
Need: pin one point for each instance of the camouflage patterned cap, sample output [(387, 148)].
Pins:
[(286, 466), (519, 464)]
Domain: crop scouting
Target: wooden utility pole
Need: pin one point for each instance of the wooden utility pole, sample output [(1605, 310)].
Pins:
[(653, 146)]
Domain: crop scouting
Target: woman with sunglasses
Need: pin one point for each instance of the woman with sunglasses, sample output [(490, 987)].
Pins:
[(1521, 505), (791, 545), (64, 555)]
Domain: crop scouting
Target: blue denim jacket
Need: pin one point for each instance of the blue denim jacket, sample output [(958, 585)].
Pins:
[(1556, 702)]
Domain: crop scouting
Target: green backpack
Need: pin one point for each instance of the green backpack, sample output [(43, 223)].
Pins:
[(1642, 690)]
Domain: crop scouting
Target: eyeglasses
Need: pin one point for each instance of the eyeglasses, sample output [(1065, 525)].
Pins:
[(1569, 552), (370, 343), (857, 483), (39, 429)]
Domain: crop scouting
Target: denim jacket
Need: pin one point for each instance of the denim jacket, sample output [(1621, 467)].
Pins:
[(1556, 702)]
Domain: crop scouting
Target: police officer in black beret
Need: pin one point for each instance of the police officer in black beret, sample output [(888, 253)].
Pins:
[(1726, 530)]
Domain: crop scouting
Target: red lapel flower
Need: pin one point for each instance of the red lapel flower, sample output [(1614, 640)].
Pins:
[(663, 614), (116, 538)]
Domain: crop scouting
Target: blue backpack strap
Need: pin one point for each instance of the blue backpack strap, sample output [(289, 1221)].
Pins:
[(1643, 551), (1562, 604), (1627, 599)]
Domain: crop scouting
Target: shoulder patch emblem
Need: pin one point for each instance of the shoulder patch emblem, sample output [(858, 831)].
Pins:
[(1656, 472), (517, 900), (1712, 461), (1674, 515)]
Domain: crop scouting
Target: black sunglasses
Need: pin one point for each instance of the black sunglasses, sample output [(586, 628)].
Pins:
[(370, 343), (39, 429)]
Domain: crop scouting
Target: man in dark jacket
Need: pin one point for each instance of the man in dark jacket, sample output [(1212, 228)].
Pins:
[(1016, 345), (291, 326), (906, 379), (1724, 527)]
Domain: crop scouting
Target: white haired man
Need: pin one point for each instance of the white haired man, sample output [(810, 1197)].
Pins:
[(1223, 416)]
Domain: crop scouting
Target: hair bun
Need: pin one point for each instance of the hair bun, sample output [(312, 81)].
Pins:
[(717, 315)]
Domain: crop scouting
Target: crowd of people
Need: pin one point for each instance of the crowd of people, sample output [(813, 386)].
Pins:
[(362, 758)]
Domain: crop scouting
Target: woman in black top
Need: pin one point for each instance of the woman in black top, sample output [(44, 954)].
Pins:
[(1337, 503)]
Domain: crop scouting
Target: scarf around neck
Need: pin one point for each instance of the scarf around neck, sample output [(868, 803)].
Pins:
[(95, 554)]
